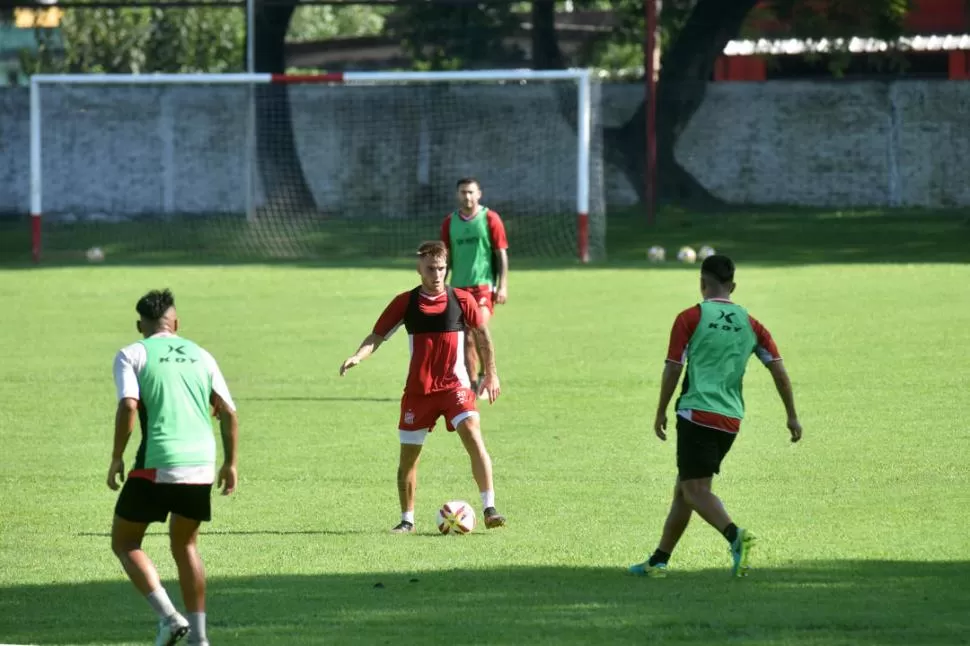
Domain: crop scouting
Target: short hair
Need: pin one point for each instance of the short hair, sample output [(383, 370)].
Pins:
[(153, 305), (434, 249), (719, 267), (468, 180)]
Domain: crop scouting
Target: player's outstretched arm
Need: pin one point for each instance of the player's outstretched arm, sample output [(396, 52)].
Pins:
[(367, 347), (785, 391), (668, 384), (125, 416), (490, 384), (229, 430)]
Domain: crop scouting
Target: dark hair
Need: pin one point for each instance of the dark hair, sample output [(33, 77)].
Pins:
[(434, 248), (718, 267), (153, 305), (468, 180)]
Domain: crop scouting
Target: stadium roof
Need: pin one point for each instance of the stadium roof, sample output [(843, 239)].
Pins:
[(855, 45)]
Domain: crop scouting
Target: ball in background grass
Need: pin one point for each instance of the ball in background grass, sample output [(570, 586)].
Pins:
[(687, 255), (656, 253), (94, 254), (705, 252)]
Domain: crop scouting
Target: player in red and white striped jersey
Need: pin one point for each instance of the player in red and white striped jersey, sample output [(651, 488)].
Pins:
[(436, 318)]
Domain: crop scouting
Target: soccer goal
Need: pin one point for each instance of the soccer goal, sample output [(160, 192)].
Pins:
[(329, 167)]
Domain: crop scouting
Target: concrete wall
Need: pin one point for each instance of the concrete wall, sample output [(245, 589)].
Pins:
[(130, 150)]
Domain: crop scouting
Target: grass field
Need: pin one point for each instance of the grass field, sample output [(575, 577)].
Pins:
[(863, 524)]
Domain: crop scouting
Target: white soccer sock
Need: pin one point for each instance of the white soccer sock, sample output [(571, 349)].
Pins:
[(488, 499), (160, 603), (408, 516), (197, 628)]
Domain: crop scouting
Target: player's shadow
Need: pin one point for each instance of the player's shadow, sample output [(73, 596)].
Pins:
[(836, 602), (160, 530), (320, 399)]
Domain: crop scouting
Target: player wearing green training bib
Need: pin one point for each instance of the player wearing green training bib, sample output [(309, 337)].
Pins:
[(478, 251), (169, 383), (715, 339)]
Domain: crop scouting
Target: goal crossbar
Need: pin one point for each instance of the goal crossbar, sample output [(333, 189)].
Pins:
[(583, 124)]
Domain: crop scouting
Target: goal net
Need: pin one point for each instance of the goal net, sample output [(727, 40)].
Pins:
[(253, 166)]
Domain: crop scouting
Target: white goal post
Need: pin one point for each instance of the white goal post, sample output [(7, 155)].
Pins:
[(59, 129)]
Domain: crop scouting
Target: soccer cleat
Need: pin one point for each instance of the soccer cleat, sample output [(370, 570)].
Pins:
[(171, 630), (493, 519), (404, 527), (657, 571), (741, 552)]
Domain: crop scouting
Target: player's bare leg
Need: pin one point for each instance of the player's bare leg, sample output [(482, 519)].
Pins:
[(126, 541), (698, 495), (472, 361), (674, 527), (677, 520), (469, 430), (183, 537), (407, 484)]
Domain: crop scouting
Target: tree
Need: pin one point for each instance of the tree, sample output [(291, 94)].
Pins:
[(545, 44), (457, 36), (693, 35), (279, 161), (141, 40)]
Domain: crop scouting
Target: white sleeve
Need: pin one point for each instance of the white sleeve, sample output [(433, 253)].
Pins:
[(129, 361), (219, 386)]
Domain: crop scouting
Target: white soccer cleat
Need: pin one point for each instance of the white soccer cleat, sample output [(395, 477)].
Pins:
[(171, 630)]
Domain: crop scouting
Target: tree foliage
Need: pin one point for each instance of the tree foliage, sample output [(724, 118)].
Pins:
[(457, 36), (140, 40)]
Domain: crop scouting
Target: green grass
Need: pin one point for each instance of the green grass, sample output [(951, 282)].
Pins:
[(863, 527)]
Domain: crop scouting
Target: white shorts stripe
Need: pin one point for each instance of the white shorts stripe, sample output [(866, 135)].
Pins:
[(413, 437), (461, 417)]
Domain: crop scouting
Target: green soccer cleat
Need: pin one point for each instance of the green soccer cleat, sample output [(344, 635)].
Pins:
[(658, 571), (741, 552)]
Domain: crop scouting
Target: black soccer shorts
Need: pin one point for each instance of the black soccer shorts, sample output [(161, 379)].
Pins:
[(700, 449), (144, 501)]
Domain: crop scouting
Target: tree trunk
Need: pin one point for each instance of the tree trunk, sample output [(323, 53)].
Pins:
[(685, 71), (687, 68), (280, 169), (546, 54)]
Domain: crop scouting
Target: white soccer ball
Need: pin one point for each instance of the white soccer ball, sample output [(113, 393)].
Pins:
[(456, 517), (656, 253), (687, 254), (705, 252), (94, 254)]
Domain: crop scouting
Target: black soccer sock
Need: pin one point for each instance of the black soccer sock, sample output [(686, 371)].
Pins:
[(659, 556), (731, 533)]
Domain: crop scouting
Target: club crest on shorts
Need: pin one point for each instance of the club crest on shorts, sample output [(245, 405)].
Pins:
[(461, 396), (409, 417), (483, 300)]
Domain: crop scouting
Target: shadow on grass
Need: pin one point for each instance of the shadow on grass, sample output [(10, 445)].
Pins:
[(767, 236), (847, 602), (320, 399)]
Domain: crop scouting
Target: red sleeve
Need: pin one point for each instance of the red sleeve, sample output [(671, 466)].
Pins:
[(446, 232), (496, 230), (469, 309), (392, 316), (766, 350), (684, 326)]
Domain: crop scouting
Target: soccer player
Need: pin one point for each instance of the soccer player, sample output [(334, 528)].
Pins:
[(715, 338), (437, 318), (475, 237), (169, 384)]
